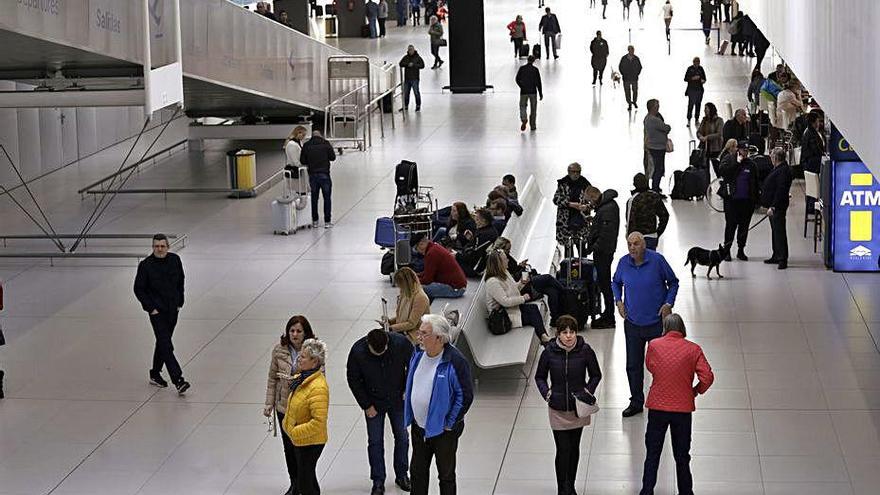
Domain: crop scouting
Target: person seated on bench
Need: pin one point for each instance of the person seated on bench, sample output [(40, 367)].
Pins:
[(512, 204), (509, 181), (412, 304), (442, 277), (502, 291), (475, 254), (497, 205), (540, 283), (459, 232)]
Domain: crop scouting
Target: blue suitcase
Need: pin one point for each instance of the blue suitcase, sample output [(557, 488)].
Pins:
[(384, 236)]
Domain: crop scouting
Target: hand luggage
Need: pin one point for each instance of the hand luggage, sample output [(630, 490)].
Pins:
[(722, 50), (290, 212), (557, 41), (577, 277), (385, 233), (365, 31), (524, 51), (406, 177), (283, 217), (697, 158), (689, 184), (536, 51)]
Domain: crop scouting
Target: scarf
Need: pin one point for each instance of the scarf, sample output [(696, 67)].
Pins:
[(300, 377), (563, 346)]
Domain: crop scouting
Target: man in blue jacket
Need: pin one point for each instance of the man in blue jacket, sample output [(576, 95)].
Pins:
[(649, 286), (438, 394)]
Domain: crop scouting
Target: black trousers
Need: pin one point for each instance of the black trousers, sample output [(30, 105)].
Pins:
[(549, 44), (163, 328), (599, 69), (517, 46), (679, 425), (637, 338), (568, 443), (603, 262), (531, 316), (443, 449), (306, 468), (695, 103), (631, 91), (289, 456), (737, 216), (382, 26), (779, 235)]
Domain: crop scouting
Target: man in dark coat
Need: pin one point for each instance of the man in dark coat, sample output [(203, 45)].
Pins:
[(695, 77), (549, 25), (599, 51), (602, 242), (412, 63), (736, 128), (740, 192), (630, 67), (317, 154), (646, 213), (774, 195), (376, 372), (158, 286), (528, 78)]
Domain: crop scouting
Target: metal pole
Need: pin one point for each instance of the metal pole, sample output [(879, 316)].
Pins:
[(148, 62)]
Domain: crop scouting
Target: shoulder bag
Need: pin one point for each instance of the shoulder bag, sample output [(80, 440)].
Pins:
[(585, 404), (499, 321)]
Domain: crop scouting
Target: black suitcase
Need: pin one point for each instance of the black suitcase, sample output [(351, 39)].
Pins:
[(406, 177), (536, 50), (579, 295), (697, 158), (365, 31), (689, 184), (319, 10), (524, 51)]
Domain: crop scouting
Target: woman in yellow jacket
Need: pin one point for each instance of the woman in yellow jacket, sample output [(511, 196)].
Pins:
[(306, 418)]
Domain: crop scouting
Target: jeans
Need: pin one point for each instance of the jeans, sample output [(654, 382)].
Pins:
[(443, 449), (548, 285), (411, 84), (737, 216), (373, 31), (659, 159), (376, 444), (289, 456), (163, 325), (602, 262), (631, 91), (549, 44), (524, 101), (637, 337), (306, 464), (436, 290), (651, 242), (598, 70), (568, 453), (321, 183), (680, 430), (780, 236), (695, 102), (531, 316)]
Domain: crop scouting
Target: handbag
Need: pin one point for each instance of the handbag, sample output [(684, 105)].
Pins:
[(726, 189), (443, 42), (582, 405), (499, 321), (669, 146)]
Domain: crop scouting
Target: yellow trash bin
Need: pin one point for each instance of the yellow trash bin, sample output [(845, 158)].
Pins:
[(246, 169)]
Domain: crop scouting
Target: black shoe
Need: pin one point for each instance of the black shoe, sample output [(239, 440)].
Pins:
[(157, 380), (404, 483), (182, 387), (632, 411), (635, 104), (2, 375), (377, 490), (783, 265), (771, 261), (418, 109), (741, 255), (728, 258), (629, 108), (602, 323)]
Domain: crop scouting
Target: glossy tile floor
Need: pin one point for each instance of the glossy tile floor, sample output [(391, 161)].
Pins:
[(796, 404)]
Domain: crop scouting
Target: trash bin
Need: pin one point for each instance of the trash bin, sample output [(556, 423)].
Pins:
[(242, 171)]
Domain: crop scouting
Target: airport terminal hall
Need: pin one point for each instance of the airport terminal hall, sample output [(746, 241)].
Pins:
[(445, 247)]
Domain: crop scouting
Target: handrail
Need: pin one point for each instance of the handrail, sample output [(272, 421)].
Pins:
[(346, 95), (133, 165)]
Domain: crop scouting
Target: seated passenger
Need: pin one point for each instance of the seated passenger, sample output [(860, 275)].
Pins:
[(497, 206), (513, 205), (442, 277), (476, 253), (412, 304), (459, 232), (502, 291), (542, 284), (509, 181)]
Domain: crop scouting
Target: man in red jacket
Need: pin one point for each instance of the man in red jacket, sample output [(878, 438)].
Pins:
[(442, 276), (673, 361)]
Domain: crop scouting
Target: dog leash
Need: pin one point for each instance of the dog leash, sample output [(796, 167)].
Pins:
[(765, 217)]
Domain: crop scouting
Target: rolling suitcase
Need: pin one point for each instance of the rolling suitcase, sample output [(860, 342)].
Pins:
[(283, 217), (536, 51), (524, 51), (387, 234), (577, 277), (289, 212), (689, 184), (406, 178), (723, 48)]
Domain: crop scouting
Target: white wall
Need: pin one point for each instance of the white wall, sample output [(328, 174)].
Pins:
[(834, 48)]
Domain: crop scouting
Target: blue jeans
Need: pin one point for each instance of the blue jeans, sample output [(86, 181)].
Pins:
[(659, 158), (436, 290), (637, 337), (321, 183), (373, 32), (411, 84), (651, 242), (376, 445)]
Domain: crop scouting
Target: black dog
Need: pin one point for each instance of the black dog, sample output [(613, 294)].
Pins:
[(704, 257)]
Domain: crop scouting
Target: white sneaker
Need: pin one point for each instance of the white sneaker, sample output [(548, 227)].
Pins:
[(328, 225), (314, 225)]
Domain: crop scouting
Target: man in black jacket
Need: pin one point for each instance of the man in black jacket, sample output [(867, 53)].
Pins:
[(740, 192), (412, 64), (317, 154), (158, 286), (736, 128), (695, 77), (529, 81), (602, 242), (774, 195), (630, 67), (549, 25), (376, 371), (599, 51), (646, 213)]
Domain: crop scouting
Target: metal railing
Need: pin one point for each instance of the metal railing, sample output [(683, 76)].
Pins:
[(89, 188), (344, 111), (179, 242), (393, 80)]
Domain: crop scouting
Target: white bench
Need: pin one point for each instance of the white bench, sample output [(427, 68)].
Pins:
[(533, 237)]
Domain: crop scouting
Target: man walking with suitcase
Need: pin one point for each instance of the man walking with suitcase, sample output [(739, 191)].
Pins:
[(549, 25), (317, 154), (528, 78), (158, 286)]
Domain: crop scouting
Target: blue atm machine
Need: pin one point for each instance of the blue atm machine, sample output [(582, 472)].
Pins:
[(853, 209)]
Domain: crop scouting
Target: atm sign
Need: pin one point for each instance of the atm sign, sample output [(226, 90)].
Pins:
[(856, 235)]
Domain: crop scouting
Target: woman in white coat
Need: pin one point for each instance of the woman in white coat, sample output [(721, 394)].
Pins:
[(502, 291), (293, 147)]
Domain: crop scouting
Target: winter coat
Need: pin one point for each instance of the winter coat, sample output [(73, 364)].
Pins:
[(412, 65), (373, 10), (528, 78), (599, 51), (278, 389), (673, 362), (292, 152), (605, 228), (158, 284), (656, 132), (451, 396), (630, 69), (734, 130), (776, 187), (812, 150), (517, 30), (383, 10), (379, 381), (561, 200), (317, 154), (408, 315), (549, 25), (569, 372), (646, 213), (305, 421), (436, 33), (711, 129), (505, 294), (729, 170), (694, 86)]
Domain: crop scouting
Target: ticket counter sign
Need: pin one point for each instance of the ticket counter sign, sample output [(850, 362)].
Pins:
[(856, 229)]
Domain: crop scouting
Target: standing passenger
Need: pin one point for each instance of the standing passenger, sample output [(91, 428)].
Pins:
[(630, 67), (517, 31), (372, 17), (667, 17), (383, 17), (435, 32), (317, 154), (528, 78), (599, 52), (412, 64), (602, 242), (646, 213), (695, 77), (775, 197), (740, 192), (656, 137)]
